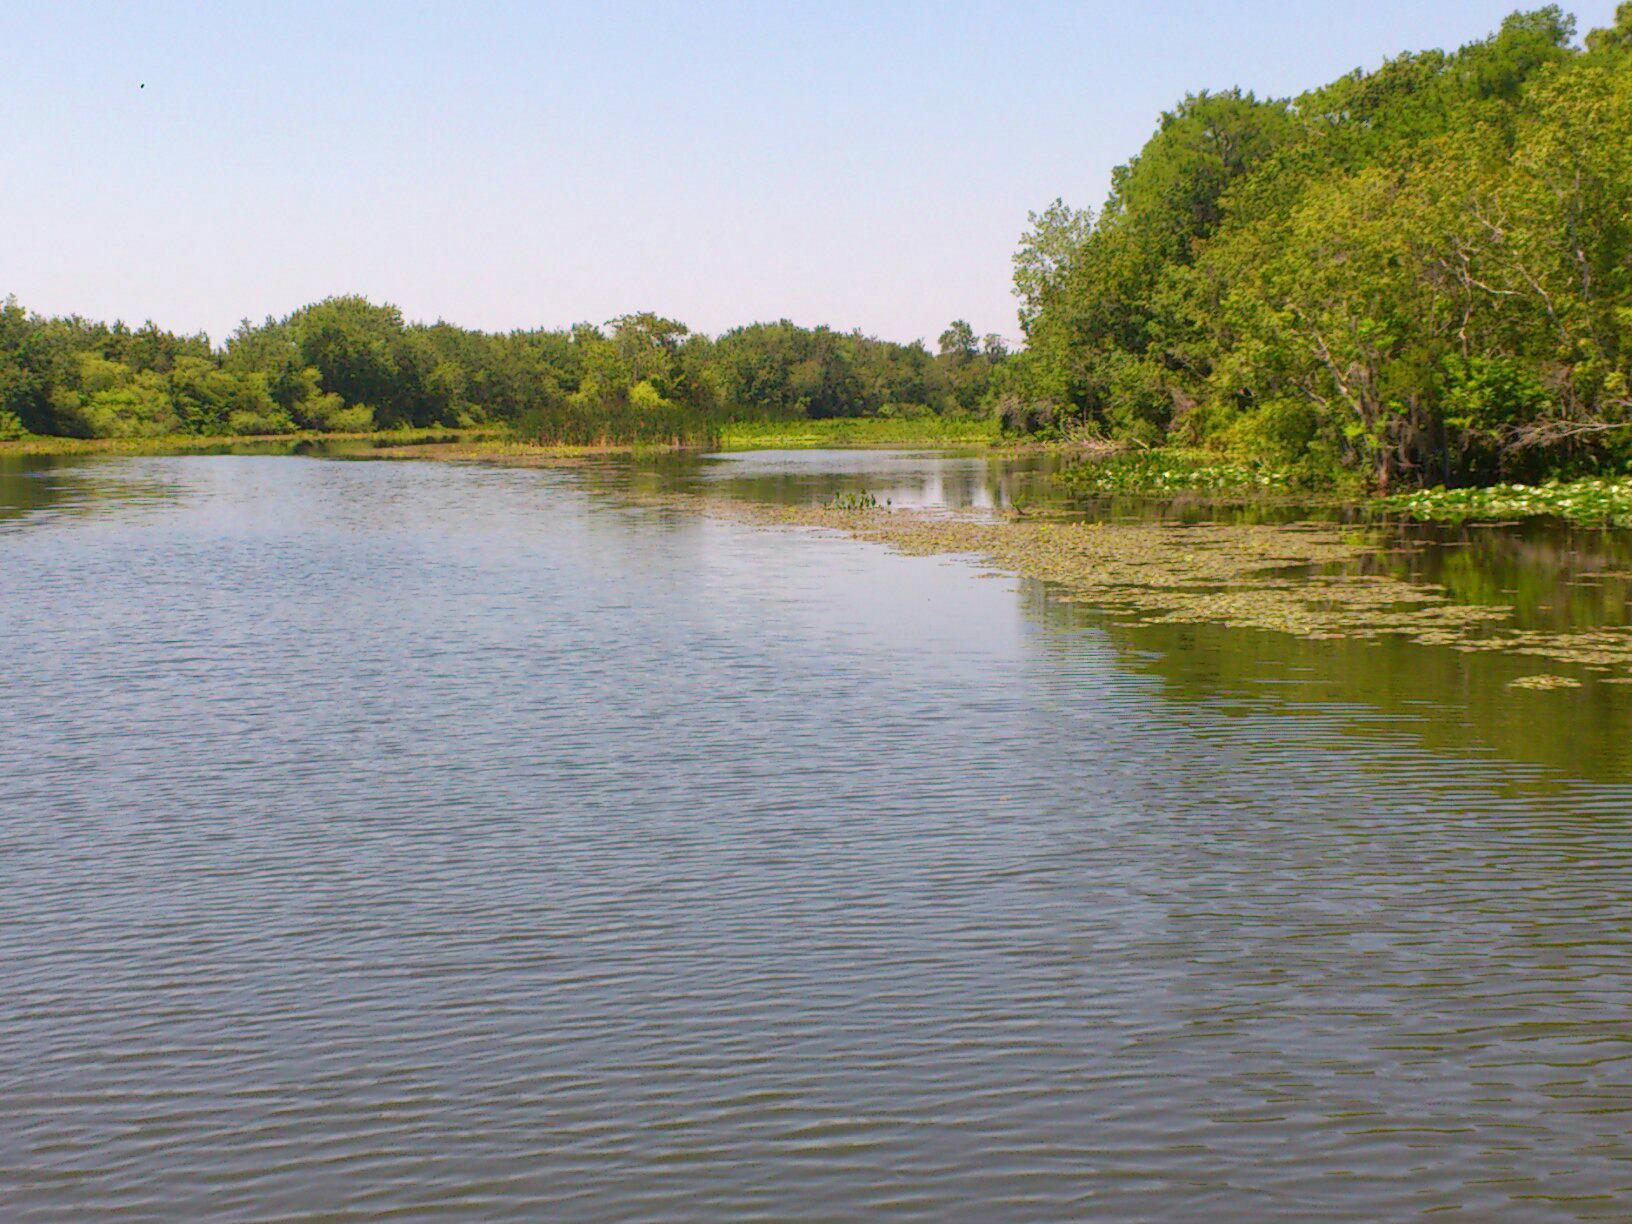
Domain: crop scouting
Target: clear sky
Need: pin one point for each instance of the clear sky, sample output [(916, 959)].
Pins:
[(532, 164)]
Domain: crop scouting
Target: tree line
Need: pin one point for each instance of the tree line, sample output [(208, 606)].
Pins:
[(1423, 271), (348, 364)]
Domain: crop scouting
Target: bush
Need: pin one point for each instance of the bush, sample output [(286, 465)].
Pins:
[(271, 421), (644, 397), (1020, 414), (905, 412), (140, 409), (330, 414), (1280, 430)]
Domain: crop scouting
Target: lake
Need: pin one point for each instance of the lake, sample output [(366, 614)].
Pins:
[(447, 840)]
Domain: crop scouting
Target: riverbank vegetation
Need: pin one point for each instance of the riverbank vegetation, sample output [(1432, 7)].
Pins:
[(1161, 473), (1419, 275), (346, 365), (1591, 502), (1324, 581), (435, 441), (930, 430), (1422, 272), (181, 444)]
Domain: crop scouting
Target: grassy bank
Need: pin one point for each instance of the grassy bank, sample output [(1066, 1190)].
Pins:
[(859, 431), (516, 452), (455, 443), (836, 432), (181, 444)]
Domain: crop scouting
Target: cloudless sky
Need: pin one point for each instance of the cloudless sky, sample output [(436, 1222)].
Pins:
[(516, 165)]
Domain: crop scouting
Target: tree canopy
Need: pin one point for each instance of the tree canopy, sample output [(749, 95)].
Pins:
[(1423, 270), (349, 364)]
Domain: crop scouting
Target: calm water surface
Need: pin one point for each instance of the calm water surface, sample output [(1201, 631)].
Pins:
[(448, 841)]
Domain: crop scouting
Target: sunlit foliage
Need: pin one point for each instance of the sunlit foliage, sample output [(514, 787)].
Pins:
[(1424, 271), (348, 365)]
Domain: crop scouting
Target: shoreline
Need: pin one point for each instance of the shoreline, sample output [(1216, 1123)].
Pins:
[(1318, 580), (1599, 503), (1310, 579), (1239, 575), (48, 445), (836, 432)]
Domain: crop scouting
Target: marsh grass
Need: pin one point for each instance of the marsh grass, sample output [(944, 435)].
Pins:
[(565, 432), (930, 431), (617, 422), (182, 444)]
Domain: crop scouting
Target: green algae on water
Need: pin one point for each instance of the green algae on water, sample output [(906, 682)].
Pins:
[(1544, 682), (1301, 578)]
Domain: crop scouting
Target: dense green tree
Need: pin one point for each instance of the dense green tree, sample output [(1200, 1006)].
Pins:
[(348, 364), (957, 342), (1424, 271), (1055, 237)]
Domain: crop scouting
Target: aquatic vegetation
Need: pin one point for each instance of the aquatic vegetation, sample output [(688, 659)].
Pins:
[(615, 421), (1305, 579), (1544, 682), (1309, 579), (173, 444), (1160, 472), (507, 450), (1598, 502), (859, 431)]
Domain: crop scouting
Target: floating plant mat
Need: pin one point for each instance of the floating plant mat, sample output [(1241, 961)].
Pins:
[(1294, 578)]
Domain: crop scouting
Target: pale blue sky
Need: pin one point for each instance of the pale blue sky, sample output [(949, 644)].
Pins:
[(508, 165)]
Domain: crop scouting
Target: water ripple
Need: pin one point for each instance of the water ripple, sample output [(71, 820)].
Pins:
[(416, 841)]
